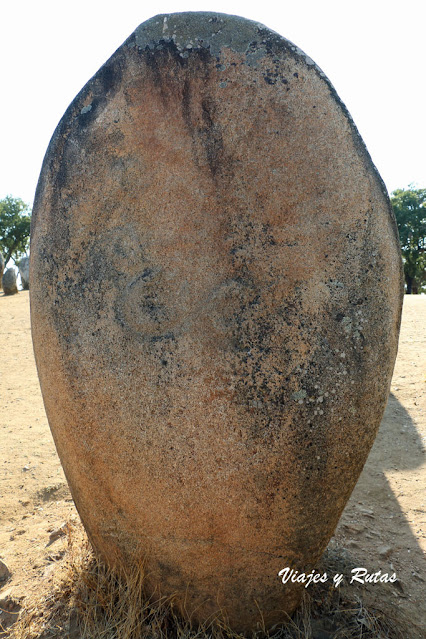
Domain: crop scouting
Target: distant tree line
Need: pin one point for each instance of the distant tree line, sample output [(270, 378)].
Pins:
[(15, 219), (409, 206)]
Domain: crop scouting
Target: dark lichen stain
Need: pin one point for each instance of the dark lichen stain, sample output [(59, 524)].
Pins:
[(110, 77), (102, 89), (87, 116), (165, 52), (172, 73), (260, 353), (211, 136), (207, 140)]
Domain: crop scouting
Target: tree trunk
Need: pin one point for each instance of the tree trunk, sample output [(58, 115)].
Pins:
[(409, 282), (7, 258)]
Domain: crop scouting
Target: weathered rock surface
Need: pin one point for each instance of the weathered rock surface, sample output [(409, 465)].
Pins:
[(1, 269), (24, 271), (5, 573), (8, 282), (215, 293)]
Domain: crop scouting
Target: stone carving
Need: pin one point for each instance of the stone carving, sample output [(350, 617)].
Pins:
[(216, 290)]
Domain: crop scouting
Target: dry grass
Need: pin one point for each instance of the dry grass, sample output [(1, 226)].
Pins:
[(90, 601)]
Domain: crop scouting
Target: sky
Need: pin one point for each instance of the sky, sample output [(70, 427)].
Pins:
[(374, 53)]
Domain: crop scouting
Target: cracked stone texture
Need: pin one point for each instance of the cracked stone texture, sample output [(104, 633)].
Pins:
[(216, 290)]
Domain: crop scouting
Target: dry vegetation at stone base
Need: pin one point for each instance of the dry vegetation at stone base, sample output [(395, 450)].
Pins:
[(382, 526), (89, 601)]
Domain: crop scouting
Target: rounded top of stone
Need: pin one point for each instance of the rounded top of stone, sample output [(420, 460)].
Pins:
[(207, 30), (9, 275)]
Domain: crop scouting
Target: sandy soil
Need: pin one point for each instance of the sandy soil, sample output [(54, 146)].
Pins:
[(382, 528)]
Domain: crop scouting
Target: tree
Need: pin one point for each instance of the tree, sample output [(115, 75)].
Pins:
[(15, 218), (409, 206)]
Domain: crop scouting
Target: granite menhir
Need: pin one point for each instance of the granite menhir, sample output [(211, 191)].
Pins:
[(24, 272), (8, 282), (216, 292)]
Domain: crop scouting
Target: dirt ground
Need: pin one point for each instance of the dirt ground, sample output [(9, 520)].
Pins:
[(382, 528)]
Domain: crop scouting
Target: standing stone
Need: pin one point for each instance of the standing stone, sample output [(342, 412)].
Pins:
[(216, 291), (9, 284), (1, 269), (24, 271)]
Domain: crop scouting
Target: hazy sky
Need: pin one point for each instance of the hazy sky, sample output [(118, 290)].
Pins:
[(374, 53)]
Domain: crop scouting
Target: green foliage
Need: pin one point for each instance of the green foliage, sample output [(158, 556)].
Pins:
[(409, 206), (15, 218)]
